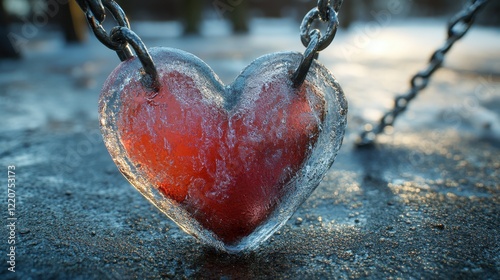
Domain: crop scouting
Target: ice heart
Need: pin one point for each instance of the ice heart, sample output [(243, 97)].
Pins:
[(229, 165)]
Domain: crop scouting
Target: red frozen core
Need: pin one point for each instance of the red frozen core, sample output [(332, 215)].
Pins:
[(228, 168)]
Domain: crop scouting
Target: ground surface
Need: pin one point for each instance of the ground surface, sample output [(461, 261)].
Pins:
[(423, 203)]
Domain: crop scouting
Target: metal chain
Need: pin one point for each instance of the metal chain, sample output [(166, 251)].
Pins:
[(312, 39), (457, 28), (121, 37)]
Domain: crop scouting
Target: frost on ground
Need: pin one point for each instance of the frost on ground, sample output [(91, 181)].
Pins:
[(423, 203)]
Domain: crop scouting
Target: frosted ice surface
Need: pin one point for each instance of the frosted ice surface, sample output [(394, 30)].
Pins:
[(229, 165)]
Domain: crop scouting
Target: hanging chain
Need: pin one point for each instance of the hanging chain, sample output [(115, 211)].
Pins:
[(457, 28), (121, 38), (313, 40)]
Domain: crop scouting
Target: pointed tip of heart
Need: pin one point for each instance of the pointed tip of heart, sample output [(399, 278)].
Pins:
[(257, 163)]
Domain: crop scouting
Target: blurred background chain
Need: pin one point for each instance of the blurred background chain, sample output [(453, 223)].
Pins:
[(457, 28), (312, 38), (121, 38)]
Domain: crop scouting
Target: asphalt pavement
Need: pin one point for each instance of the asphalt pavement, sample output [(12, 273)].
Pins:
[(423, 203)]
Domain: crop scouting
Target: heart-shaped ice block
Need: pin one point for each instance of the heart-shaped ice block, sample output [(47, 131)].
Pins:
[(229, 164)]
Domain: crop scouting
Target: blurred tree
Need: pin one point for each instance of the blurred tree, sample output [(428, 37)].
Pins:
[(489, 15), (235, 10), (192, 16), (239, 17), (433, 7), (346, 14), (73, 22), (6, 48)]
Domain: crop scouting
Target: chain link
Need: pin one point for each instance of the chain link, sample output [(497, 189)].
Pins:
[(121, 37), (457, 28), (126, 36), (309, 55), (327, 12), (312, 39)]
